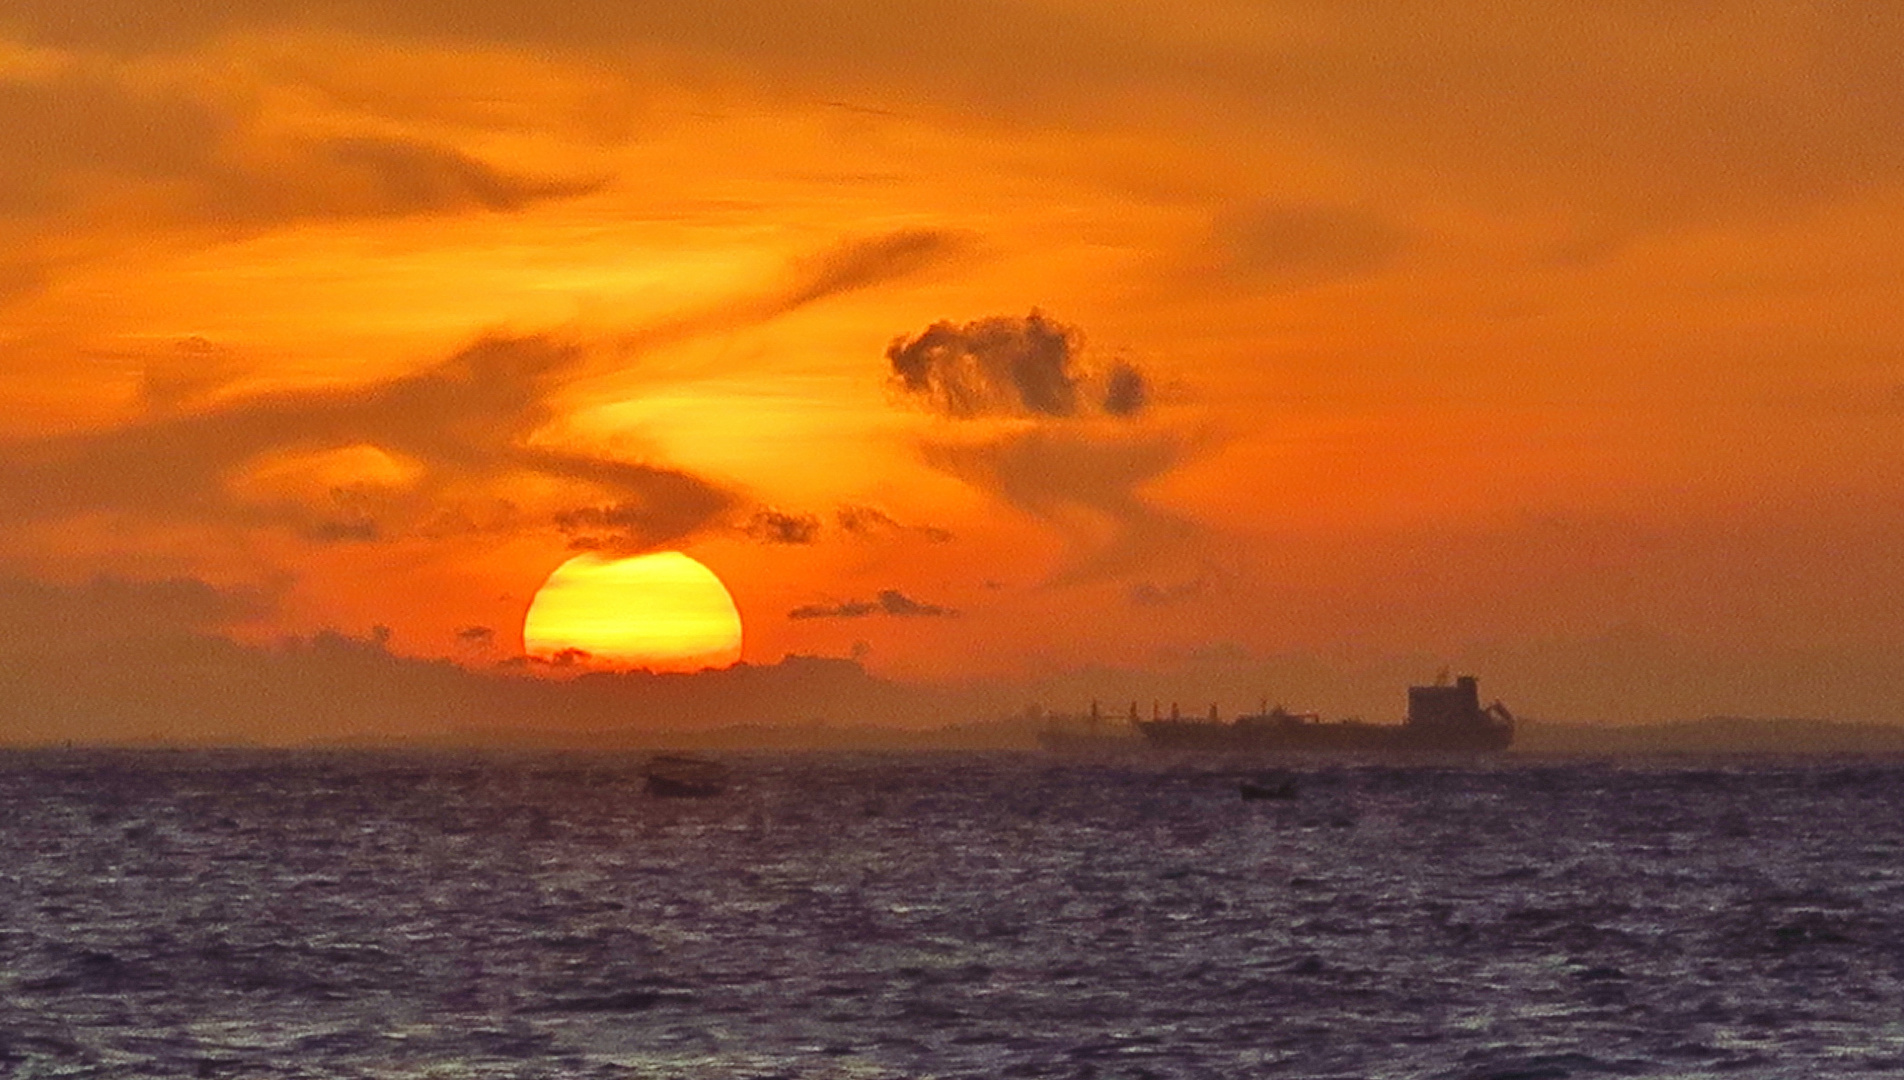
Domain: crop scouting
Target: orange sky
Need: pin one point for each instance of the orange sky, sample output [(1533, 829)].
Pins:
[(1455, 331)]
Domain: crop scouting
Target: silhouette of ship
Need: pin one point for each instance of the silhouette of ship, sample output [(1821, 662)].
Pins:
[(1091, 735), (1440, 718)]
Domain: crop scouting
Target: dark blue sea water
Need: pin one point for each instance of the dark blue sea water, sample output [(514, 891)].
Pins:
[(245, 915)]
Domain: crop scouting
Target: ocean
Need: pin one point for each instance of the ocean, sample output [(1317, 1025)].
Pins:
[(295, 914)]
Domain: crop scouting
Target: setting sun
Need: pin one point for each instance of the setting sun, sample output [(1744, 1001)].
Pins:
[(663, 611)]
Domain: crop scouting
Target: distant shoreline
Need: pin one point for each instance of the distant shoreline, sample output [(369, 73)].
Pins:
[(1711, 736)]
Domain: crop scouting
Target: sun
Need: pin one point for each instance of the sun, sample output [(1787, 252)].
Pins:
[(664, 612)]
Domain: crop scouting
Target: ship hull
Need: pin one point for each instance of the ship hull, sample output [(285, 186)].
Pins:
[(1088, 742), (1350, 738)]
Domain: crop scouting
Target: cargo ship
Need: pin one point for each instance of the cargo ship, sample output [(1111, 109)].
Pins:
[(1441, 718)]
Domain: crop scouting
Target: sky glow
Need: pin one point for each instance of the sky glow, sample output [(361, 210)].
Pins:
[(1205, 337)]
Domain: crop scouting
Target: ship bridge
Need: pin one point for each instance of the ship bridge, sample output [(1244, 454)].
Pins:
[(1457, 707)]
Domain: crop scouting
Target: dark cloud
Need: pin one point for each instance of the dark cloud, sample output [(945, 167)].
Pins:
[(481, 636), (849, 266), (997, 366), (1006, 366), (679, 505), (659, 505), (339, 531), (861, 264), (1125, 391), (1080, 477), (467, 414), (564, 658), (372, 176), (867, 522), (849, 609), (1083, 484), (1298, 244), (465, 422), (776, 527), (893, 602), (887, 602), (464, 426)]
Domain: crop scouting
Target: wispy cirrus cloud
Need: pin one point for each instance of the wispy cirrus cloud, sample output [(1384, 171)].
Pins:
[(92, 132), (463, 422), (1634, 115), (1288, 245), (417, 454), (1085, 485)]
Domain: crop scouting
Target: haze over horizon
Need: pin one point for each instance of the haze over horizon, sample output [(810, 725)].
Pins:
[(1060, 350)]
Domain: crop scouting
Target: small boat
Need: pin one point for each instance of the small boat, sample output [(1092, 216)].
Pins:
[(1280, 786), (674, 776)]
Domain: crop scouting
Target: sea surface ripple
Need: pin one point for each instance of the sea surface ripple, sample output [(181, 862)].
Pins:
[(226, 914)]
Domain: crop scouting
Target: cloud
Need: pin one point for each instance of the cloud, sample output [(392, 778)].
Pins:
[(40, 618), (1125, 392), (435, 452), (775, 527), (464, 424), (996, 366), (369, 176), (867, 522), (1641, 111), (343, 531), (1085, 485), (887, 602), (1005, 366), (188, 374), (185, 601), (849, 266), (1300, 244), (659, 505), (1077, 466), (116, 660), (91, 131), (65, 133), (864, 263), (466, 413)]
